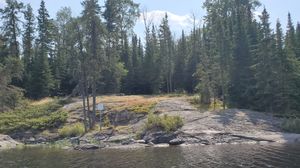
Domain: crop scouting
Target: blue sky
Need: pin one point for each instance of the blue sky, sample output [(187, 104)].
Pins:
[(180, 11)]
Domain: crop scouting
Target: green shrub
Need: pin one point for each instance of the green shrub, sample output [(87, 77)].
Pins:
[(196, 102), (73, 130), (165, 123), (106, 121), (39, 117), (291, 125)]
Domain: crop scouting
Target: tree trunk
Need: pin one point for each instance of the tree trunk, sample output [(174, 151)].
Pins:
[(84, 107), (94, 103), (88, 102)]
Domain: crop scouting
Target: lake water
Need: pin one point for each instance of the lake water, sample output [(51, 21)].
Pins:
[(222, 156)]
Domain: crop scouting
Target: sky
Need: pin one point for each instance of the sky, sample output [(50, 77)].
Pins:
[(180, 12)]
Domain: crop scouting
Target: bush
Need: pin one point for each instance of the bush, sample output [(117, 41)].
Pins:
[(196, 101), (166, 123), (291, 125), (73, 130), (106, 121), (35, 118)]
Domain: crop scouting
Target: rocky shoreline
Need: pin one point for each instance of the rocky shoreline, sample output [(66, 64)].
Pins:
[(6, 142), (155, 139), (232, 126)]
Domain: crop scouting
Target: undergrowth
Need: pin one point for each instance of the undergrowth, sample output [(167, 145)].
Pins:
[(33, 117), (72, 130), (165, 122), (291, 125)]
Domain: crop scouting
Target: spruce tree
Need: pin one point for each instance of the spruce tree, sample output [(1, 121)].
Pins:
[(193, 60), (292, 69), (127, 60), (180, 63), (151, 63), (298, 41), (120, 17), (92, 23), (204, 69), (28, 40), (62, 51), (3, 50), (42, 79), (241, 75), (10, 27), (166, 54), (282, 97), (265, 73)]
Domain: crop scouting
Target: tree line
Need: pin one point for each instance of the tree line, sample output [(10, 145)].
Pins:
[(233, 56)]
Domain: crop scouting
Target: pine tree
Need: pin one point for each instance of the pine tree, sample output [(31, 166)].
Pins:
[(292, 69), (193, 60), (298, 41), (3, 50), (60, 68), (137, 62), (90, 15), (265, 71), (218, 23), (127, 60), (166, 54), (120, 16), (28, 39), (151, 63), (240, 90), (204, 69), (42, 79), (180, 63), (11, 19), (282, 98), (137, 55)]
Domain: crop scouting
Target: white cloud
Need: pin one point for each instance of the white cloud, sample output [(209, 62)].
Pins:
[(2, 3), (177, 22), (257, 14)]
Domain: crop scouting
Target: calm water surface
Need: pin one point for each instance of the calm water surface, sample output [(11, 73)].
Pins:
[(223, 156)]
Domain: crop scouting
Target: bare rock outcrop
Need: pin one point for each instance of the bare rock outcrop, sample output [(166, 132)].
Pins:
[(6, 142)]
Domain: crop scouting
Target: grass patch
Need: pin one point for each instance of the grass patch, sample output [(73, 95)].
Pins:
[(291, 125), (35, 117), (72, 130), (106, 121), (143, 107), (196, 101), (43, 101), (123, 129), (136, 104), (165, 122)]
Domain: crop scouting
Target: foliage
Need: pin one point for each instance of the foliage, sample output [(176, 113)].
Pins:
[(10, 15), (291, 125), (106, 121), (212, 106), (165, 122), (136, 104), (72, 130), (10, 95), (41, 78), (34, 117), (234, 58)]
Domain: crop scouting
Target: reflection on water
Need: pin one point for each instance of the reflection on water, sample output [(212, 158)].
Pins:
[(192, 156)]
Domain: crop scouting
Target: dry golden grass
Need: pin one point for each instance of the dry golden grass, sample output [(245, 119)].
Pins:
[(42, 101), (123, 129), (195, 100), (137, 104)]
